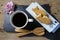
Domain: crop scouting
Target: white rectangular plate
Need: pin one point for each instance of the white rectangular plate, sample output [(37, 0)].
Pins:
[(50, 27)]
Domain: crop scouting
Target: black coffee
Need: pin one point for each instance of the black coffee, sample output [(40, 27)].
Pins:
[(19, 19)]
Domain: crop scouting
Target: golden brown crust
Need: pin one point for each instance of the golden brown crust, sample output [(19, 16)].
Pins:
[(44, 19), (39, 11), (41, 15)]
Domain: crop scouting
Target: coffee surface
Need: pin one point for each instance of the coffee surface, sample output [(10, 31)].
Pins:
[(19, 19)]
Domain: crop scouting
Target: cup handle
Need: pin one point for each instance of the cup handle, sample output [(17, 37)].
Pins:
[(30, 20)]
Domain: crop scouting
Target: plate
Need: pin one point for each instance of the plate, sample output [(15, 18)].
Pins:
[(51, 27)]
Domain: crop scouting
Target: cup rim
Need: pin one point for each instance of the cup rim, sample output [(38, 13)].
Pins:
[(16, 13)]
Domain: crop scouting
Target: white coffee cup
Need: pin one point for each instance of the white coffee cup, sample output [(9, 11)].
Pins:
[(26, 16)]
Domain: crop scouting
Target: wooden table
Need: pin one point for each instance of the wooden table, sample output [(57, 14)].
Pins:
[(55, 10)]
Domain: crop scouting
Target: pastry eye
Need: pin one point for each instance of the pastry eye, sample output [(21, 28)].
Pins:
[(41, 15)]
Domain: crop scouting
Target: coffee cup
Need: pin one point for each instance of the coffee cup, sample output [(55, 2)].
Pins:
[(19, 19)]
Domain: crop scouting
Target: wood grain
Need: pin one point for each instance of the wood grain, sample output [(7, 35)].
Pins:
[(55, 10)]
